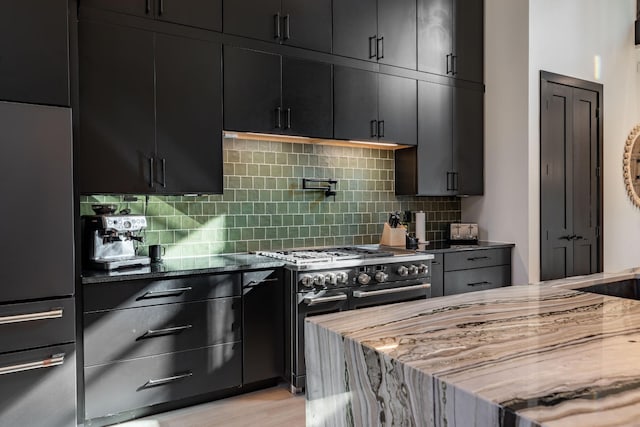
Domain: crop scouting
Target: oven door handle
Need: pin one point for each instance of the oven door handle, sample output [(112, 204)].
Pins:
[(321, 300), (365, 294)]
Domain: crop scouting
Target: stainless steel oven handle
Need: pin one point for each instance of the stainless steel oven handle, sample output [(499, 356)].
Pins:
[(364, 294), (321, 300), (55, 360), (55, 313)]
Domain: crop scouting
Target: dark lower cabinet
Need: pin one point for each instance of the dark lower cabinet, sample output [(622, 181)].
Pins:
[(34, 52), (374, 107), (150, 121), (268, 93), (262, 325), (437, 275), (301, 23), (449, 157)]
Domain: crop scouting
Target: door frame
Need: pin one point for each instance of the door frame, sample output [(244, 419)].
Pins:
[(546, 76)]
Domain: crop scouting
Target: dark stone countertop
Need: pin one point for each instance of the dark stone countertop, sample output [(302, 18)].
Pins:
[(170, 267), (441, 246)]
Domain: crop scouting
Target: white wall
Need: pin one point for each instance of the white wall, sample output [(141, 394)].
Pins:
[(503, 213), (563, 37)]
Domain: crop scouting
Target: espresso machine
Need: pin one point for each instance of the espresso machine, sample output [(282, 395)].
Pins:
[(109, 241)]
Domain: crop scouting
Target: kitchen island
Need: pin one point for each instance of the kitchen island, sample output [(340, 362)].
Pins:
[(518, 356)]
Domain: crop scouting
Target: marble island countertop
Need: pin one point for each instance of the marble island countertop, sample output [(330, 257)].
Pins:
[(521, 356)]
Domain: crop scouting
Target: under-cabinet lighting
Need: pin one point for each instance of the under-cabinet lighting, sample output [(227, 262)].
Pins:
[(383, 144), (307, 140)]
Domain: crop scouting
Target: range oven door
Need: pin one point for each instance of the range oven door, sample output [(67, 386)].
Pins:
[(310, 304), (369, 297)]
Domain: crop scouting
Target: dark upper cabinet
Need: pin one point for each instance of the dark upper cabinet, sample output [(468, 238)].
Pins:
[(449, 158), (301, 23), (273, 94), (149, 120), (377, 30), (451, 38), (374, 107), (195, 13), (34, 52)]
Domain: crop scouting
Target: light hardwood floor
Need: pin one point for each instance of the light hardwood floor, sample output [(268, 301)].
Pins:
[(272, 407)]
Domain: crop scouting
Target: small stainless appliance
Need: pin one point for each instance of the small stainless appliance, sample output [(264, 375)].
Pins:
[(109, 241), (463, 233), (327, 280)]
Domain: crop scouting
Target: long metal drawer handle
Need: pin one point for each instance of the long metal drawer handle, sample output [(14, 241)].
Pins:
[(55, 360), (55, 313), (258, 282), (168, 293), (320, 300), (163, 381), (477, 258), (167, 331), (479, 283), (364, 294)]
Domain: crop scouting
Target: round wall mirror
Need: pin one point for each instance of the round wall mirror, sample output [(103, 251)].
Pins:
[(631, 165)]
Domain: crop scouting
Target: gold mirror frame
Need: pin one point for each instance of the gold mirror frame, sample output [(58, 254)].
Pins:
[(631, 165)]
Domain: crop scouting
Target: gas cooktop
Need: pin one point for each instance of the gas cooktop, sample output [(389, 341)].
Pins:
[(326, 255)]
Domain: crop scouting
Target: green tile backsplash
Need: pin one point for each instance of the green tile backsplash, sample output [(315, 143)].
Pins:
[(264, 207)]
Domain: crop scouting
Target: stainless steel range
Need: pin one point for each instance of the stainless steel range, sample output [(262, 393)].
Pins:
[(327, 280)]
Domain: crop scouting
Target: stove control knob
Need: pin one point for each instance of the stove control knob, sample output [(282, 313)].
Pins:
[(330, 279), (413, 270), (318, 280), (423, 269), (342, 277), (364, 279), (403, 271), (381, 276), (306, 280)]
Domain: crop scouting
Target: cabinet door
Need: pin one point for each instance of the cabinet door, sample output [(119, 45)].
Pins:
[(469, 40), (437, 276), (34, 52), (397, 33), (131, 7), (355, 28), (196, 13), (306, 98), (252, 100), (468, 140), (398, 109), (116, 147), (255, 19), (435, 155), (307, 23), (36, 175), (188, 115), (355, 104), (435, 35)]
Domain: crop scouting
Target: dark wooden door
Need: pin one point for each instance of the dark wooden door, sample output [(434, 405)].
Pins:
[(255, 19), (469, 40), (397, 33), (131, 7), (435, 35), (195, 13), (355, 28), (435, 140), (252, 98), (570, 200), (36, 183), (34, 52), (355, 104), (307, 23), (468, 141), (117, 145), (398, 109), (188, 115), (306, 98)]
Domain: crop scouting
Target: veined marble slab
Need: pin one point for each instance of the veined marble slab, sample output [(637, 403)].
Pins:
[(517, 356)]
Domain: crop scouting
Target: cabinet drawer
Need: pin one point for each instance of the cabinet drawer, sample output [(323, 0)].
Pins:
[(477, 279), (38, 387), (36, 324), (146, 331), (123, 386), (476, 259), (139, 293)]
